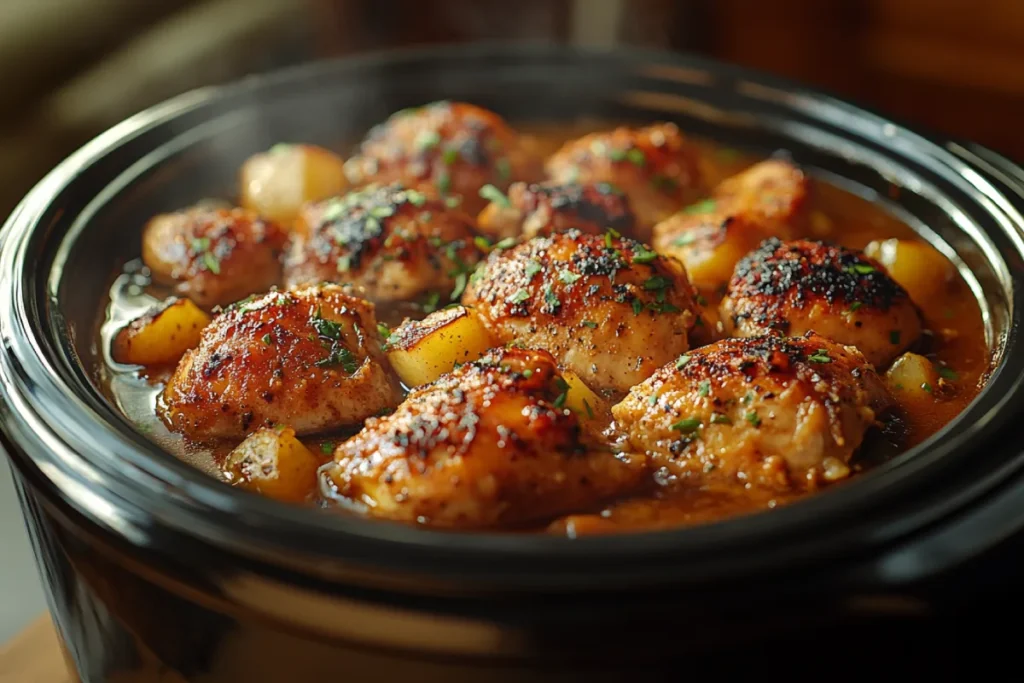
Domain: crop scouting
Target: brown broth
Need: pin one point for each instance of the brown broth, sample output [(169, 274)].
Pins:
[(957, 339)]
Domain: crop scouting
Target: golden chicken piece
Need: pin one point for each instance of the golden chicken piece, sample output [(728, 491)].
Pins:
[(782, 413), (533, 209), (485, 446), (395, 243), (656, 166), (791, 287), (214, 256), (449, 148), (608, 308), (309, 358), (711, 236)]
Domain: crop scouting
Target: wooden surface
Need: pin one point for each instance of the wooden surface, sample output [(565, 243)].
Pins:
[(33, 656)]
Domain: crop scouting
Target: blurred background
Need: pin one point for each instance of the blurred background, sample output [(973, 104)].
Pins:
[(71, 68)]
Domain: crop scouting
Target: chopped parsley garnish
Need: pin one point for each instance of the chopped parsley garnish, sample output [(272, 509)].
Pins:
[(450, 155), (444, 183), (747, 398), (948, 373), (327, 447), (855, 305), (503, 168), (506, 243), (820, 356), (532, 268), (200, 244), (927, 387), (684, 240), (652, 399), (453, 202), (589, 323), (384, 331), (719, 419), (657, 282), (430, 304), (636, 157), (551, 299), (683, 360), (638, 307), (703, 206), (425, 216), (894, 337), (616, 154), (527, 373), (860, 269), (642, 254), (608, 244), (324, 327), (267, 339), (382, 211), (520, 296), (590, 411), (415, 197), (687, 425), (482, 243), (704, 388), (427, 139), (568, 277), (211, 262), (460, 285), (344, 263), (563, 387), (340, 356), (753, 418)]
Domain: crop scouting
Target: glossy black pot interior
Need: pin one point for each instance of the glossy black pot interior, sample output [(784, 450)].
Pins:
[(152, 564)]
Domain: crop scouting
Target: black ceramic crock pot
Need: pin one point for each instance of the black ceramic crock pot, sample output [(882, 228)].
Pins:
[(157, 572)]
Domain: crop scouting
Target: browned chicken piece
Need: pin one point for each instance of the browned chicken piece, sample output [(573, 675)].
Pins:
[(533, 209), (487, 445), (214, 256), (656, 166), (609, 308), (789, 288), (711, 236), (781, 413), (449, 148), (308, 358), (396, 244)]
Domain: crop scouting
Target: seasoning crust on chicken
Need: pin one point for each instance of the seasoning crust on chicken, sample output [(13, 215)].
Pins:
[(656, 166), (486, 445), (396, 244), (308, 358), (781, 413), (214, 256), (790, 288), (451, 149), (608, 308)]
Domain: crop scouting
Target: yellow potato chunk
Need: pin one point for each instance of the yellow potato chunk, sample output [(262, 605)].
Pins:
[(912, 377), (421, 351), (917, 266), (162, 336), (276, 183), (582, 400), (274, 463)]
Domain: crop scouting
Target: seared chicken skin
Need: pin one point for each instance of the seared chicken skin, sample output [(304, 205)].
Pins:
[(789, 288), (533, 209), (486, 445), (783, 413), (655, 166), (214, 256), (308, 358), (711, 236), (449, 148), (396, 244), (607, 307)]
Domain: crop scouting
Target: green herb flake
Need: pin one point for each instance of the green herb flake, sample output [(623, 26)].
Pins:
[(568, 277), (636, 157), (444, 183), (503, 169), (657, 282), (340, 356), (449, 156), (701, 207), (704, 388), (519, 297), (427, 139), (948, 373), (327, 447), (682, 361), (720, 419), (641, 254), (616, 154), (344, 263), (532, 268), (382, 211), (663, 183), (652, 399), (425, 216), (687, 425), (590, 411), (860, 269), (267, 339), (211, 262), (638, 306), (608, 244), (753, 418), (328, 329), (415, 197), (495, 196), (550, 298), (589, 323), (684, 240), (200, 244), (855, 306), (527, 373), (820, 356), (430, 304), (482, 243), (384, 331), (927, 387), (506, 243), (460, 285)]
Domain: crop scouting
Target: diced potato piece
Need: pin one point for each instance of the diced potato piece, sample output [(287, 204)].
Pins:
[(274, 463), (913, 377), (276, 183), (918, 267), (582, 400), (162, 336), (421, 351)]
